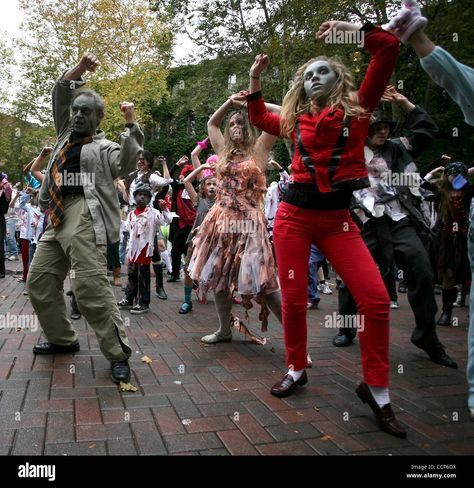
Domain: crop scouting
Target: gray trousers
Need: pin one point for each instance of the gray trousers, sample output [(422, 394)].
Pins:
[(71, 247)]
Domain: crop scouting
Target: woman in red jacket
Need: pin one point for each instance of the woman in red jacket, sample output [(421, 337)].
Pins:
[(328, 123)]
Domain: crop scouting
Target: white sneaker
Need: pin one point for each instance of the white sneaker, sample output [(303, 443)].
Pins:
[(394, 304), (216, 337), (325, 289), (13, 258), (459, 301)]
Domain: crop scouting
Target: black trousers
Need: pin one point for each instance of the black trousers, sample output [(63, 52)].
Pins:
[(113, 258), (3, 233), (180, 236), (411, 257), (138, 286)]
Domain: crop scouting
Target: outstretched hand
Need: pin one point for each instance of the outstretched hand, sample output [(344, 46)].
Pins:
[(260, 64)]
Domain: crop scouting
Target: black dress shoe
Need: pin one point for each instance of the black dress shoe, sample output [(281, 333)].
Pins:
[(436, 353), (120, 371), (49, 348), (342, 340), (287, 385), (385, 416), (173, 279)]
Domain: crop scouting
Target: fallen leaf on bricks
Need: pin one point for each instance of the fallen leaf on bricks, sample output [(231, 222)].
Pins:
[(92, 446), (272, 349), (147, 360), (154, 334), (326, 438), (127, 387), (186, 421)]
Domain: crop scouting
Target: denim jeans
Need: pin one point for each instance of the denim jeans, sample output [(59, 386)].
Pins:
[(470, 337), (315, 259), (10, 239)]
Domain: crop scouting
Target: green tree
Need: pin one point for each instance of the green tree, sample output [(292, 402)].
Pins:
[(124, 35)]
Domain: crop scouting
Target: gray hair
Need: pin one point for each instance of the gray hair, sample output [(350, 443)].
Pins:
[(98, 101)]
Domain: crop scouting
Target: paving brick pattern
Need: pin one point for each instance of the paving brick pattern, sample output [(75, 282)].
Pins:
[(214, 400)]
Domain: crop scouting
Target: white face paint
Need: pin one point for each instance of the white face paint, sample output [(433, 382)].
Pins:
[(319, 79)]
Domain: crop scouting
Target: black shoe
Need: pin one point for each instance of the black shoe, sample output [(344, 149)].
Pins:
[(402, 289), (120, 371), (437, 354), (287, 385), (342, 340), (124, 304), (172, 279), (49, 348), (160, 293), (140, 309), (444, 319), (385, 416)]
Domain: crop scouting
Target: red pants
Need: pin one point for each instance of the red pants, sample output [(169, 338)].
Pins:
[(338, 238)]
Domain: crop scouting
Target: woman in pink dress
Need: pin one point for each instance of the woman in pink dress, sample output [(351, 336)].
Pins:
[(232, 252)]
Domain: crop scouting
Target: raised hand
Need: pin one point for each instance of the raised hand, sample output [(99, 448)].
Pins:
[(274, 165), (182, 161), (393, 96), (89, 62), (326, 27), (239, 100), (260, 64), (45, 151), (128, 111)]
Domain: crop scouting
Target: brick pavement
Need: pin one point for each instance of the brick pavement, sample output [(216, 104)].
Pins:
[(196, 399)]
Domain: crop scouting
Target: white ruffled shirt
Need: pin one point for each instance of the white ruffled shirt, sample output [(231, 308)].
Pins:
[(143, 228)]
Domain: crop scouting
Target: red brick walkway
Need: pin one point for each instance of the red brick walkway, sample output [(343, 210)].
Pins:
[(194, 399)]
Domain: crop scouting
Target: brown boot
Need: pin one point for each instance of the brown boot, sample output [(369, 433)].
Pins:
[(118, 276)]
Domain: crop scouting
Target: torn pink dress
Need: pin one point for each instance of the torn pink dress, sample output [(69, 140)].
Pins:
[(231, 248)]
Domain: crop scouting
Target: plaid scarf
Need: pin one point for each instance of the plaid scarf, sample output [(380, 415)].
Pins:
[(56, 206)]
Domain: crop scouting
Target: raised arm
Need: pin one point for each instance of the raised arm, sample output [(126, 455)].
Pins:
[(200, 146), (383, 47), (214, 126), (64, 90), (36, 166), (259, 114), (122, 158)]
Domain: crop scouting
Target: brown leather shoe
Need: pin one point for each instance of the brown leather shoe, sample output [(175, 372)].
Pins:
[(384, 415), (287, 385)]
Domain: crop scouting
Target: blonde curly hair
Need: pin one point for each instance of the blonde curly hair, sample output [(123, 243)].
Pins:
[(343, 95)]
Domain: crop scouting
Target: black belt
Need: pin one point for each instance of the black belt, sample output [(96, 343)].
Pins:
[(306, 195)]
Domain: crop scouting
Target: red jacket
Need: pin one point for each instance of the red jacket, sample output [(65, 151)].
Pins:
[(319, 133)]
